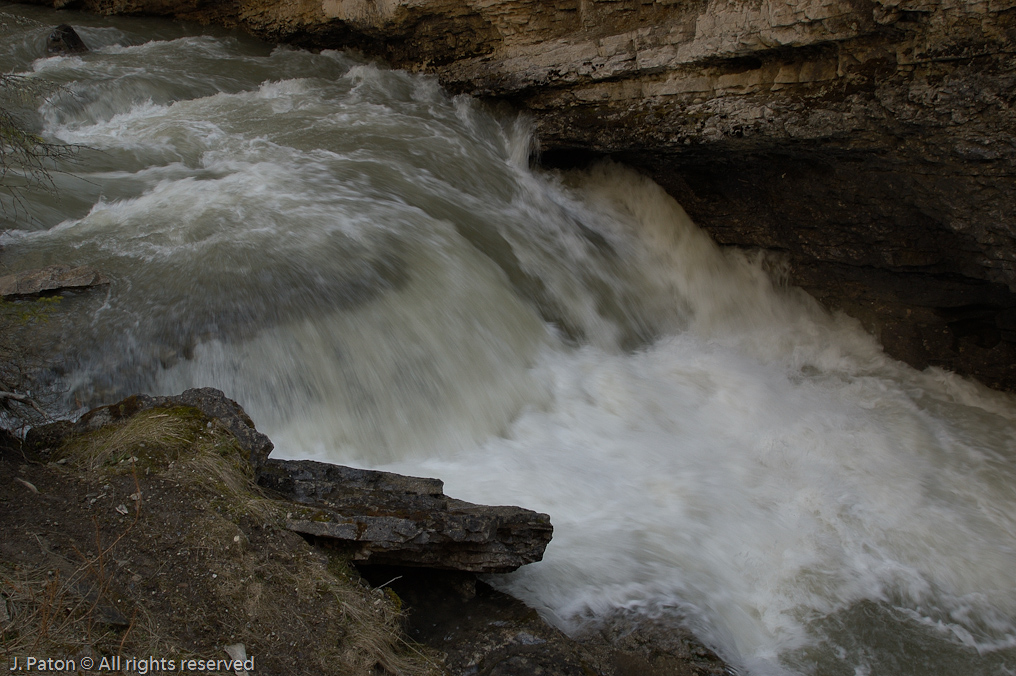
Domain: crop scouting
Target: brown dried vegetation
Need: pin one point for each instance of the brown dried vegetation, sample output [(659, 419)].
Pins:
[(151, 539)]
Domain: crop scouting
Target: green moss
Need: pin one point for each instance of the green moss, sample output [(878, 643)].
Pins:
[(23, 312), (394, 599), (320, 517), (340, 567), (184, 441)]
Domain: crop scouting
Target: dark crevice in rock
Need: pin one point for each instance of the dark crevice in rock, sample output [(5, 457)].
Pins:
[(865, 231), (868, 235), (482, 632)]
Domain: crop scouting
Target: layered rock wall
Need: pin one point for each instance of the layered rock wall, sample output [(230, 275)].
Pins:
[(868, 143)]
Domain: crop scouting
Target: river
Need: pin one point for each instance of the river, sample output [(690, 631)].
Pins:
[(372, 269)]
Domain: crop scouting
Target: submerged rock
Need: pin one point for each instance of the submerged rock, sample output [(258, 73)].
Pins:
[(390, 519), (50, 278), (65, 40)]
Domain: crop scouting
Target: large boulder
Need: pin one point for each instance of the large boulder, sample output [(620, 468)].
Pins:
[(212, 403)]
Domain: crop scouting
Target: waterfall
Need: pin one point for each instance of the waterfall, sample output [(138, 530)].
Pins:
[(370, 267)]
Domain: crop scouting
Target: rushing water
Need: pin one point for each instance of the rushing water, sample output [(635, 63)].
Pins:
[(370, 267)]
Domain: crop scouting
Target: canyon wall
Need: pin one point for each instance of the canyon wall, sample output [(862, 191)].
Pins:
[(869, 144)]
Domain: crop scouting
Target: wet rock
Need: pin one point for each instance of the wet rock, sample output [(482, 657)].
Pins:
[(63, 41), (215, 405), (384, 518), (49, 279)]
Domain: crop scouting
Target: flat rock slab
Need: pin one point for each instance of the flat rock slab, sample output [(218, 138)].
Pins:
[(50, 278), (380, 518)]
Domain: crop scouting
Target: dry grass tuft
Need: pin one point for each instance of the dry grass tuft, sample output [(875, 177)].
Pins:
[(64, 608), (158, 437), (183, 443)]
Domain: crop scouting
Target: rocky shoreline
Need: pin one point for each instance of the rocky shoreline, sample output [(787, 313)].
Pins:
[(188, 466)]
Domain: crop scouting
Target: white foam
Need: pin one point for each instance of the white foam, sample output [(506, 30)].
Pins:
[(766, 466)]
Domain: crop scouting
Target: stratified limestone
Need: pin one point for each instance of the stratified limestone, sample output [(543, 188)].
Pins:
[(871, 143), (380, 518)]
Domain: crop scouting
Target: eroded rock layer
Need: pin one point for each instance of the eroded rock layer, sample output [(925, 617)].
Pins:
[(869, 143), (384, 518)]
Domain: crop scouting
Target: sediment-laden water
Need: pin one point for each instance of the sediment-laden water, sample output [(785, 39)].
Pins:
[(370, 267)]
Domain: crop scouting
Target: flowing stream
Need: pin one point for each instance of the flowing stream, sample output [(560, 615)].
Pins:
[(372, 270)]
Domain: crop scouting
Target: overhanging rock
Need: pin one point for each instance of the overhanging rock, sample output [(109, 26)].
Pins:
[(388, 519)]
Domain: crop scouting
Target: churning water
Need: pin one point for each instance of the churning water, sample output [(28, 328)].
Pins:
[(370, 267)]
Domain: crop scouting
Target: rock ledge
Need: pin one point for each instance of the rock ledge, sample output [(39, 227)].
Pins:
[(390, 519), (376, 518), (50, 278)]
